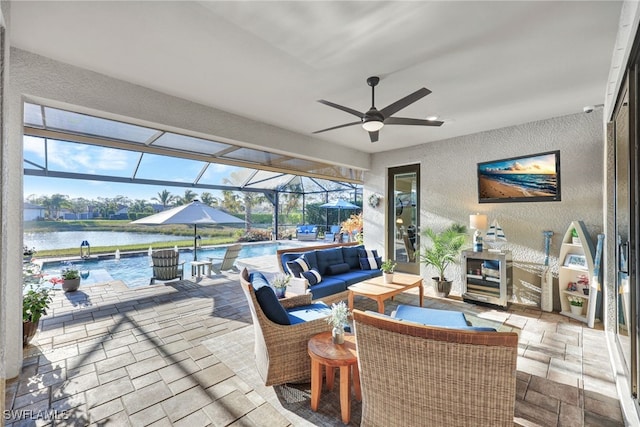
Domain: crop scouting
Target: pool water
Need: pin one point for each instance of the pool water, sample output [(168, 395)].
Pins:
[(135, 271)]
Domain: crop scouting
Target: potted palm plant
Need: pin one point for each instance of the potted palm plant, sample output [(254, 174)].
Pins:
[(445, 249)]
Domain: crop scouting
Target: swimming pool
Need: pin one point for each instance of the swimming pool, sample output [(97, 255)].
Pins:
[(135, 270)]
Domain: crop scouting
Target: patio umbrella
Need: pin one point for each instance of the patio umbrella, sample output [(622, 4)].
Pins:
[(193, 213), (339, 204)]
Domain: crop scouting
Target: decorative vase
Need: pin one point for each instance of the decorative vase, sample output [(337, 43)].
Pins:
[(338, 335), (71, 285), (388, 277), (28, 332), (577, 310), (442, 287), (280, 292)]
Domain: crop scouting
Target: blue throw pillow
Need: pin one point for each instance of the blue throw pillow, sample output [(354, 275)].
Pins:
[(312, 276), (258, 280), (298, 266), (370, 263), (271, 307), (338, 268)]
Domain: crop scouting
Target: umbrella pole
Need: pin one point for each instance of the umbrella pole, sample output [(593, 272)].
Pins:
[(195, 241)]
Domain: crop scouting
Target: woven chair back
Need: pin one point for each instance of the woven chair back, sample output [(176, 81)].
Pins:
[(414, 375)]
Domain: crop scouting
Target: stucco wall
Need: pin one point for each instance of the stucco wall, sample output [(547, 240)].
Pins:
[(449, 188)]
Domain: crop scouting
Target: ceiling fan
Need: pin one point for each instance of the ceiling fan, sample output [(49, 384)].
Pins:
[(373, 120)]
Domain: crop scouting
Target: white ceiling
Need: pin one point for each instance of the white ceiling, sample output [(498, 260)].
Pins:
[(488, 64)]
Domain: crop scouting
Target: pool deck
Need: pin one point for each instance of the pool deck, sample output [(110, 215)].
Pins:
[(180, 354)]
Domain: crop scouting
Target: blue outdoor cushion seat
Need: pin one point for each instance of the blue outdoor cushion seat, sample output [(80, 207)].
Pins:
[(352, 277), (328, 286), (306, 313), (433, 317)]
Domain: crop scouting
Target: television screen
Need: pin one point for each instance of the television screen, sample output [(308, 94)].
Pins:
[(532, 178)]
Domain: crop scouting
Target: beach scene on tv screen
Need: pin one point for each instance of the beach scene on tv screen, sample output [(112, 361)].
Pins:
[(533, 176)]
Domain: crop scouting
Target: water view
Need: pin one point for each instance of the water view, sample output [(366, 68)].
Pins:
[(72, 239)]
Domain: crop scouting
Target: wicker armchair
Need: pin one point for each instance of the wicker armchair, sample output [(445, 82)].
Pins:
[(281, 350), (414, 375)]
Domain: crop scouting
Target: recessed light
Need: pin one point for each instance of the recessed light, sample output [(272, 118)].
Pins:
[(432, 118)]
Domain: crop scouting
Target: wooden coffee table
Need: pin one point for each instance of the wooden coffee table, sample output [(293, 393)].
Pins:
[(324, 352), (378, 290)]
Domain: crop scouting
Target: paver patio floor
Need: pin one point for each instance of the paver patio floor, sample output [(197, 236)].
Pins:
[(180, 353)]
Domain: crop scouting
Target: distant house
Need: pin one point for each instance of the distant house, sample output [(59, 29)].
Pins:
[(122, 213), (32, 212)]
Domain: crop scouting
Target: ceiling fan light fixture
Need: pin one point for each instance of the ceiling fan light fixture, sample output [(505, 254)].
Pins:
[(372, 125)]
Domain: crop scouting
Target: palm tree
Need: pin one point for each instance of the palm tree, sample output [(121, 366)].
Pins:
[(209, 199), (250, 200), (187, 198), (165, 198)]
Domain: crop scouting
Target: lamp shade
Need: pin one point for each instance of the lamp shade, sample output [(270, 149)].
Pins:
[(478, 222)]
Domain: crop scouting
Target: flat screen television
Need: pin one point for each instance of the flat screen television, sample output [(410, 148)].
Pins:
[(531, 178)]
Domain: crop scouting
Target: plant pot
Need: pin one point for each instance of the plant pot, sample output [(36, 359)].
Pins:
[(577, 310), (442, 287), (280, 292), (29, 330), (388, 277), (70, 285)]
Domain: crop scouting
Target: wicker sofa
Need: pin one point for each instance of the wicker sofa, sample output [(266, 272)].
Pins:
[(281, 350), (325, 259), (461, 377)]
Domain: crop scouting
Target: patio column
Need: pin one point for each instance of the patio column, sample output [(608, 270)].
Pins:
[(11, 218)]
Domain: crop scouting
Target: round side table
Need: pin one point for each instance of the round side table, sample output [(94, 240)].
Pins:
[(324, 353)]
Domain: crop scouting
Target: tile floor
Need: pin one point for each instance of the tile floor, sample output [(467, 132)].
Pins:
[(109, 355)]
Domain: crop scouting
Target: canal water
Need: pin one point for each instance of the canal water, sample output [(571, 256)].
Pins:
[(73, 239)]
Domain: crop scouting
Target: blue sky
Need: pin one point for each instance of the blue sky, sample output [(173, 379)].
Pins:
[(544, 164), (70, 157)]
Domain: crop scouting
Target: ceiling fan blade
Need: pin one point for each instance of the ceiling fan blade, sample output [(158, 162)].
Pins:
[(373, 136), (406, 121), (343, 108), (391, 109), (338, 127)]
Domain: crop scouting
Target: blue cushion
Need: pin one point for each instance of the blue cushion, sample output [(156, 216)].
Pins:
[(370, 263), (366, 253), (312, 276), (327, 257), (354, 276), (351, 257), (271, 307), (310, 257), (337, 268), (258, 280), (329, 286), (431, 317), (298, 266), (306, 313)]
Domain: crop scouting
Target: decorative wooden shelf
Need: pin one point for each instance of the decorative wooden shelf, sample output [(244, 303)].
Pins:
[(570, 273)]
